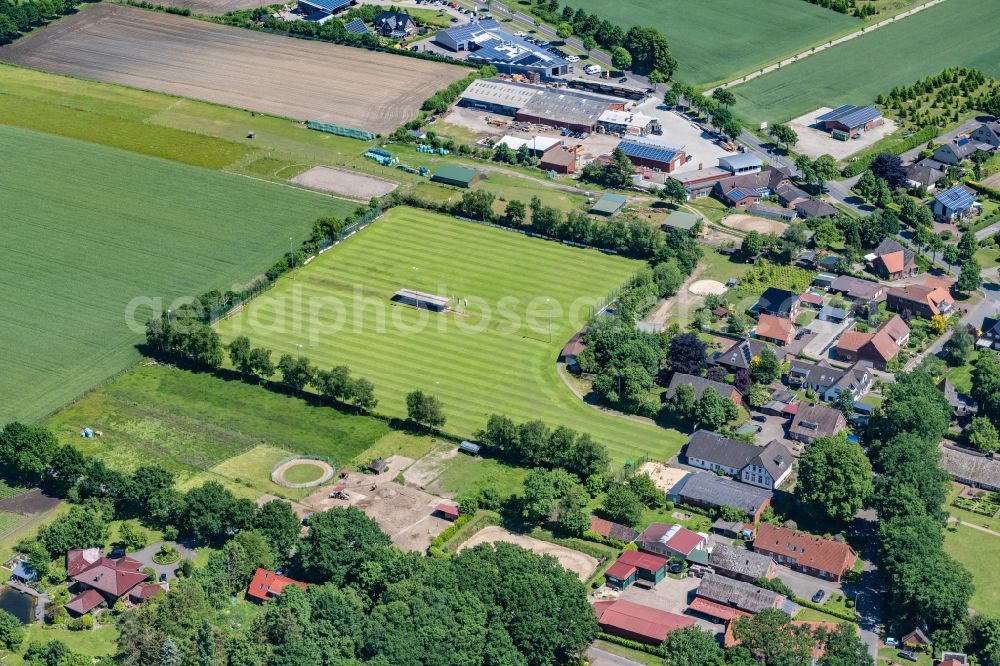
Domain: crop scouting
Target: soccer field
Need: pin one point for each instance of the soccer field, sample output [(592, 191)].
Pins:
[(338, 311), (716, 40), (856, 72), (88, 228)]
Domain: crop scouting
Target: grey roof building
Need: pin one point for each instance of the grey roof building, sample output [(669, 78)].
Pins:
[(488, 42), (739, 355), (741, 563), (699, 384), (957, 150), (778, 302), (858, 289), (712, 491), (956, 203), (744, 596), (815, 208), (814, 421), (741, 163), (765, 467), (970, 468), (988, 133)]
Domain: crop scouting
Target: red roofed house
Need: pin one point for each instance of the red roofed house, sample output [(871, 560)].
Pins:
[(633, 565), (637, 622), (803, 552), (145, 591), (84, 602), (874, 349), (892, 261), (673, 541), (814, 627), (112, 578), (81, 559), (920, 300), (611, 530), (267, 584), (778, 330)]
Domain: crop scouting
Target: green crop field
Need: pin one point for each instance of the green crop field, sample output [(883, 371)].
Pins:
[(718, 40), (87, 229), (200, 426), (338, 310), (856, 72)]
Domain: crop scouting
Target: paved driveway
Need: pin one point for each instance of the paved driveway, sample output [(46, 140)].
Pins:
[(145, 556), (805, 586), (827, 333)]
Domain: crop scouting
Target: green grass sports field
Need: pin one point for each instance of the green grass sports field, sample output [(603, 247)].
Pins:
[(718, 40), (979, 552), (476, 365), (88, 228), (857, 71)]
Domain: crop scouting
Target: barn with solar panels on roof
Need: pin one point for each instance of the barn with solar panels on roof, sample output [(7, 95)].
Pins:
[(849, 121), (320, 11), (659, 158)]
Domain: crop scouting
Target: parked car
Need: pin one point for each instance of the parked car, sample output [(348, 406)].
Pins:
[(907, 655), (891, 642), (818, 597), (572, 58), (759, 418), (623, 79), (676, 568)]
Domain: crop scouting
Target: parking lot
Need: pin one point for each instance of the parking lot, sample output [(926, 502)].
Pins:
[(815, 142), (678, 130)]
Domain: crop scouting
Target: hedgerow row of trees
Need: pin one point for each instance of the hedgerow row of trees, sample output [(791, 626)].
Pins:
[(17, 18)]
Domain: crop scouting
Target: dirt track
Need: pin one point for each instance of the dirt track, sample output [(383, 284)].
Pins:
[(751, 223), (350, 184), (581, 564), (272, 74)]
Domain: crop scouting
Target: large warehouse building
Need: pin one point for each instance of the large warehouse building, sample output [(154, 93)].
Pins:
[(556, 107), (488, 43)]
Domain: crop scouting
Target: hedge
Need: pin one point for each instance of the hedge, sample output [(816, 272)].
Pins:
[(436, 547), (897, 147), (601, 539), (850, 617), (635, 645), (986, 190)]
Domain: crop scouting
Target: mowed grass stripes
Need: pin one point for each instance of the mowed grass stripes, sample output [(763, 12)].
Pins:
[(87, 229), (338, 310)]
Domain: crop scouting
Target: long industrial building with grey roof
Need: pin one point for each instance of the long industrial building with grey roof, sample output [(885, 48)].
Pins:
[(556, 107)]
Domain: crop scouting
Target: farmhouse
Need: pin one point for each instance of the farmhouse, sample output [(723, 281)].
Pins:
[(849, 121), (874, 349), (955, 205), (673, 541), (633, 565), (699, 384), (971, 468), (803, 552), (741, 163), (988, 133), (857, 289), (739, 595), (450, 174), (654, 157), (827, 381), (267, 584), (711, 491), (919, 300), (765, 467), (741, 564), (487, 42), (954, 152), (628, 123), (778, 303), (814, 421), (637, 622), (777, 330), (396, 25), (892, 261)]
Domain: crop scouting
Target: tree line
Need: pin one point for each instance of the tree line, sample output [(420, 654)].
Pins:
[(648, 50), (17, 18)]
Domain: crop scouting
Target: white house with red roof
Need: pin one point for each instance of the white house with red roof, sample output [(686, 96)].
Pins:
[(99, 579)]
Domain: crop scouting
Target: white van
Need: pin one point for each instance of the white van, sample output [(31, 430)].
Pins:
[(592, 69)]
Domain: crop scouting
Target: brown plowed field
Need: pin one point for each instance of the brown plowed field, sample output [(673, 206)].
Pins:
[(272, 74)]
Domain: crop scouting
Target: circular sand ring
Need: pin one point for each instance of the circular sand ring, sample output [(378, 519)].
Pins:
[(707, 288), (278, 473)]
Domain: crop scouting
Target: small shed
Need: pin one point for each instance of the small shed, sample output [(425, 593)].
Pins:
[(609, 204), (830, 313), (378, 466), (451, 174), (23, 573), (680, 220), (470, 447), (447, 511)]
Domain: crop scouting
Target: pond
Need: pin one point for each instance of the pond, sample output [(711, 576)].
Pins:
[(18, 604)]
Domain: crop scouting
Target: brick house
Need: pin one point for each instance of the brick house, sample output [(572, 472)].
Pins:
[(811, 555)]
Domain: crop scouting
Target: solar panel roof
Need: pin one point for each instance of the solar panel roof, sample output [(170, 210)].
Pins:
[(356, 27), (327, 5), (647, 152), (957, 198), (850, 115)]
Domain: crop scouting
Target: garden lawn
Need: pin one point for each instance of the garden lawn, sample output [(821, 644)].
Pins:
[(979, 551), (95, 643), (338, 310), (719, 40), (201, 427), (89, 230), (857, 71)]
